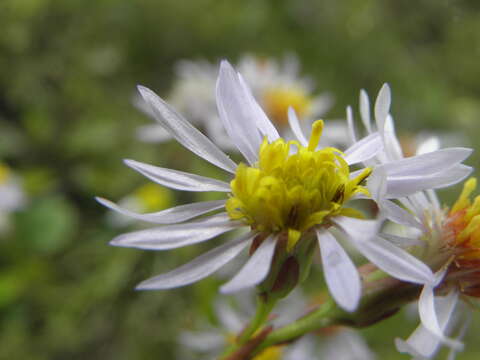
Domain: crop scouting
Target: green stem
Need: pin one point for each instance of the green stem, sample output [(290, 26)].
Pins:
[(325, 315), (264, 307)]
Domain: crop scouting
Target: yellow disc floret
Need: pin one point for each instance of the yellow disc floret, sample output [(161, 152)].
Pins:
[(292, 191), (276, 102), (464, 222), (462, 234)]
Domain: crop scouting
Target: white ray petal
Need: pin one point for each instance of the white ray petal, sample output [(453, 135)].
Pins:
[(407, 185), (295, 126), (364, 149), (185, 133), (394, 261), (427, 164), (255, 269), (173, 215), (261, 120), (237, 113), (178, 235), (365, 110), (422, 343), (392, 145), (351, 127), (401, 241), (341, 275), (429, 318), (361, 230), (377, 184), (382, 107), (399, 215), (199, 268), (178, 179)]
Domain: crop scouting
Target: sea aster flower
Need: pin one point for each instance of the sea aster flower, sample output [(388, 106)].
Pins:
[(276, 86), (286, 193), (448, 241)]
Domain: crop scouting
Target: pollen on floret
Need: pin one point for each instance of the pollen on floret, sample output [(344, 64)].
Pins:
[(293, 188), (463, 239), (276, 102)]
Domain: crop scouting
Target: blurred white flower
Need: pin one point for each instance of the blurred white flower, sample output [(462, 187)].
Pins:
[(333, 343), (276, 86), (12, 196)]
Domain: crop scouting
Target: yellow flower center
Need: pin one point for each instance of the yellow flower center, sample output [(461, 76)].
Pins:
[(276, 102), (292, 191), (462, 231), (4, 174), (464, 222), (153, 197)]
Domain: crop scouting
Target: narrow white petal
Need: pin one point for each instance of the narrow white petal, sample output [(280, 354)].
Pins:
[(422, 343), (401, 241), (361, 230), (394, 261), (377, 184), (365, 110), (341, 274), (429, 318), (392, 145), (173, 215), (364, 149), (178, 179), (399, 215), (263, 123), (351, 127), (237, 113), (427, 164), (178, 235), (199, 268), (429, 145), (407, 185), (382, 107), (185, 133), (255, 269), (295, 126)]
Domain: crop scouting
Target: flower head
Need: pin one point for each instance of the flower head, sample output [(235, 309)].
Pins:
[(284, 193)]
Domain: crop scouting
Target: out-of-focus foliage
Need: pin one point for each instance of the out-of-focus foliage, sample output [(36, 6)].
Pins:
[(68, 70)]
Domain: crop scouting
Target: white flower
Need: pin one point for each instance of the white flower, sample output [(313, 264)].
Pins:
[(434, 235), (284, 193), (276, 86)]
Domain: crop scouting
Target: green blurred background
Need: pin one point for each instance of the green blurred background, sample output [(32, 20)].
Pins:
[(68, 70)]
